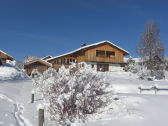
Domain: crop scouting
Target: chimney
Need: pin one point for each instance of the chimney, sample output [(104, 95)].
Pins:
[(82, 45)]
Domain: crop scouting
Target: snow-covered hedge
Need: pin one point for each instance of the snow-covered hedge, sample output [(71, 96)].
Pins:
[(143, 72), (70, 95)]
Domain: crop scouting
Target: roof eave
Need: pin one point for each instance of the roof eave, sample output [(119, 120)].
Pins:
[(33, 61)]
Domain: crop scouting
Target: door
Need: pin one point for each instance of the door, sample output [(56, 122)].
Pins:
[(103, 67)]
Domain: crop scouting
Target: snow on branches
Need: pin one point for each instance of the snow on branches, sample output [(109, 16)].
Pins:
[(29, 58), (71, 95)]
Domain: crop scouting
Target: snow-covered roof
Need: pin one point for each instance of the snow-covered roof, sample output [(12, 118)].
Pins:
[(38, 60), (46, 57), (87, 46), (6, 54)]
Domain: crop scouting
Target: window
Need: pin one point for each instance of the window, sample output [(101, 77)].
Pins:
[(110, 54), (63, 60), (100, 53), (73, 60), (67, 61), (106, 67), (3, 58), (56, 62), (59, 61), (0, 62)]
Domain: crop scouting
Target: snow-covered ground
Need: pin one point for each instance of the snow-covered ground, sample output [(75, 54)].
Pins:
[(15, 89), (11, 72), (133, 108), (130, 109), (15, 106)]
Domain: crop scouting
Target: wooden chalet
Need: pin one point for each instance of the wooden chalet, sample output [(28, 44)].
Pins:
[(4, 57), (39, 64), (101, 56)]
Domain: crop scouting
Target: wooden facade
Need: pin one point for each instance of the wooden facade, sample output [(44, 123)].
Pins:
[(4, 56), (38, 64), (102, 54), (104, 49)]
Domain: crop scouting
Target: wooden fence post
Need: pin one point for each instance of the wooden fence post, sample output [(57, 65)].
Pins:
[(32, 98), (140, 90), (156, 90), (40, 117)]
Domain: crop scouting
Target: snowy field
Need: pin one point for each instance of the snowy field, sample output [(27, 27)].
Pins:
[(134, 108), (130, 109), (15, 106)]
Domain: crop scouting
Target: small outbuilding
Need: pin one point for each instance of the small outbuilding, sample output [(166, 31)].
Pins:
[(39, 64)]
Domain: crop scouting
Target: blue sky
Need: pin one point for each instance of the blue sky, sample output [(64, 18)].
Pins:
[(53, 27)]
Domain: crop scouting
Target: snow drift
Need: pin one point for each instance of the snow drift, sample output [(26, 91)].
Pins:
[(10, 71)]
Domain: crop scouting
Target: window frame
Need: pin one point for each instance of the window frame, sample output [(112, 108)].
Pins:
[(110, 54), (100, 51)]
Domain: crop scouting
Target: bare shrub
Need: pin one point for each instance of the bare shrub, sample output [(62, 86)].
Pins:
[(72, 96), (29, 58)]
